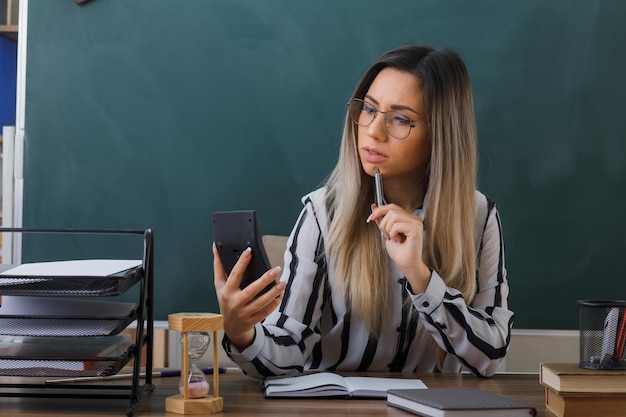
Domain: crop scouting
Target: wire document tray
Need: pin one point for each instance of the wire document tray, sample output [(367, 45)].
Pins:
[(86, 286), (62, 356), (41, 316), (46, 332)]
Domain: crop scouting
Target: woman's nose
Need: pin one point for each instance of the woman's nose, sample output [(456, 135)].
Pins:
[(377, 129)]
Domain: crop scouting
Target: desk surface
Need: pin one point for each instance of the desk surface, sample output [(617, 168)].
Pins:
[(243, 397)]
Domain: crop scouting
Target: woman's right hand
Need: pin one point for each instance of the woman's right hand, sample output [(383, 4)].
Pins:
[(242, 309)]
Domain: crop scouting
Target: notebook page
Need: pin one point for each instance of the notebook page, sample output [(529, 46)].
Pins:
[(306, 383), (375, 386)]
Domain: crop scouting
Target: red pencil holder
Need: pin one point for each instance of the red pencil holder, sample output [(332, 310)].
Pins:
[(602, 334)]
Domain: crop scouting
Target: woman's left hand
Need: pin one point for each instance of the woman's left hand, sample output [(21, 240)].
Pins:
[(404, 240)]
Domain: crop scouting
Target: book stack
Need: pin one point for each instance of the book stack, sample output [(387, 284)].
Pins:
[(572, 391)]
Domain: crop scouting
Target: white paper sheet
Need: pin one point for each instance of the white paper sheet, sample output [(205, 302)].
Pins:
[(82, 267)]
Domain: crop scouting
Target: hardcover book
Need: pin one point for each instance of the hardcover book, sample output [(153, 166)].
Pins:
[(569, 377), (457, 402), (579, 404)]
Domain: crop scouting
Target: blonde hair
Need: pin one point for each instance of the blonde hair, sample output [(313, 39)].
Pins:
[(451, 181)]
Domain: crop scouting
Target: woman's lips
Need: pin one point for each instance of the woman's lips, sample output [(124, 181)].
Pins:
[(372, 155)]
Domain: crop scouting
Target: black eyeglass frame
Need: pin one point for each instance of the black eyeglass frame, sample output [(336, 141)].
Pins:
[(354, 115)]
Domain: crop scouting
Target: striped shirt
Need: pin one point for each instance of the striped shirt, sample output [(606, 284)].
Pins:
[(312, 328)]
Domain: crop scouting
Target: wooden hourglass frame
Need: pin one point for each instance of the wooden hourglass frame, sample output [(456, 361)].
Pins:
[(187, 323)]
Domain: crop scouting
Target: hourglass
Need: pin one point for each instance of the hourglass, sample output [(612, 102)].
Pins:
[(197, 384), (194, 387)]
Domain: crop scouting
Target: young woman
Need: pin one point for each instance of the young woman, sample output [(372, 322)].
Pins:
[(417, 284)]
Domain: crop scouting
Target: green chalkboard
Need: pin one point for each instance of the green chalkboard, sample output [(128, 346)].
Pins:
[(155, 113)]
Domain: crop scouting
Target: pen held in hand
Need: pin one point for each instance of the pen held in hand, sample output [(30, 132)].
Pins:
[(378, 181), (155, 374)]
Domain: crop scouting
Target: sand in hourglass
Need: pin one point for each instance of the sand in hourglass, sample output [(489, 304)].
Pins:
[(196, 389)]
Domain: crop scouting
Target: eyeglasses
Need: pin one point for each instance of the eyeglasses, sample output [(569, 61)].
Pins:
[(396, 124)]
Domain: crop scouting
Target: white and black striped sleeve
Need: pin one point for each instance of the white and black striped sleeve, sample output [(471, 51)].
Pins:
[(479, 334), (286, 338)]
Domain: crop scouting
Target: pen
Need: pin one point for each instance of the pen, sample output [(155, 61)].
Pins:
[(621, 338), (378, 180), (156, 374)]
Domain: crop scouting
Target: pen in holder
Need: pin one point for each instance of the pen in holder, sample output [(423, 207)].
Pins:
[(602, 334), (194, 388)]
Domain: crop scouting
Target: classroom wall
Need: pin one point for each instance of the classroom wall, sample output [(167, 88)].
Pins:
[(527, 350), (154, 113)]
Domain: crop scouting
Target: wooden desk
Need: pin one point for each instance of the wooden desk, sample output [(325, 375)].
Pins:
[(243, 397)]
